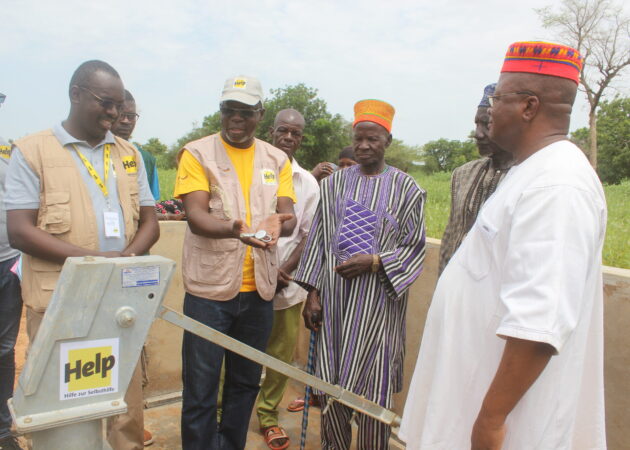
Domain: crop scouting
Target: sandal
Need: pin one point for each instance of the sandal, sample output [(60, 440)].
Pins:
[(297, 405), (275, 433)]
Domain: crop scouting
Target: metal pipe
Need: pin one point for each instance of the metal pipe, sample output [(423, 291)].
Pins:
[(341, 395)]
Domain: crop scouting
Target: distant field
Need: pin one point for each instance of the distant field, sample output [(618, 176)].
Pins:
[(616, 247)]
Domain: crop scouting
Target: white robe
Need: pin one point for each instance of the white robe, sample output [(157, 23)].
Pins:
[(530, 268)]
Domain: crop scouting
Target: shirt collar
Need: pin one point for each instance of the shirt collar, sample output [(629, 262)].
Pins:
[(66, 138)]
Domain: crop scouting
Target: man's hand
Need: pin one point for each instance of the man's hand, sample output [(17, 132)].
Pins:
[(487, 433), (355, 266), (273, 225), (239, 227), (322, 170), (284, 278), (312, 311)]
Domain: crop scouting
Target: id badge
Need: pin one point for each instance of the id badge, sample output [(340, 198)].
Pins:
[(112, 224)]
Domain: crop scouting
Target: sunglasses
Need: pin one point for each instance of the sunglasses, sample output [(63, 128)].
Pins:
[(105, 104), (244, 113)]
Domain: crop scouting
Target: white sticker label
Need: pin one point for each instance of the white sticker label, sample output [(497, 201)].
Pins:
[(88, 368), (112, 224), (140, 276), (268, 177)]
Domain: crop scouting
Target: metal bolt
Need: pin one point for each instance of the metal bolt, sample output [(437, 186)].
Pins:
[(115, 403), (28, 420), (126, 316)]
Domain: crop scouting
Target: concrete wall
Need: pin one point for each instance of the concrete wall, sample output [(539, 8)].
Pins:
[(164, 342)]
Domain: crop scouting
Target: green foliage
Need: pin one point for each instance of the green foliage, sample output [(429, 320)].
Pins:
[(613, 140), (159, 150), (325, 134), (444, 155), (580, 137), (438, 206), (402, 156)]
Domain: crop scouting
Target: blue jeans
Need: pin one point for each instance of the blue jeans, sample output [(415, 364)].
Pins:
[(247, 318), (10, 312)]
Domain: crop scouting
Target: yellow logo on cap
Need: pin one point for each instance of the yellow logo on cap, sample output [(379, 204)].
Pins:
[(240, 83), (5, 151), (130, 165)]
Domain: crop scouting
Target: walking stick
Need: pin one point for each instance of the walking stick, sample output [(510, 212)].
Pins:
[(307, 393)]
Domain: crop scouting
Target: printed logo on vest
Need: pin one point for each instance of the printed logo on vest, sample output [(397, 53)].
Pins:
[(130, 165), (269, 177), (88, 368), (5, 151), (240, 83)]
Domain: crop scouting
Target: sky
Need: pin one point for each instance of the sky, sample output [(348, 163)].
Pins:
[(429, 59)]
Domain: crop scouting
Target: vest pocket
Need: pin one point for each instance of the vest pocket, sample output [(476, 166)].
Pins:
[(216, 267), (477, 255), (57, 218)]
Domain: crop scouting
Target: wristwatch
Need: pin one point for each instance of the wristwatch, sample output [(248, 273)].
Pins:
[(261, 235)]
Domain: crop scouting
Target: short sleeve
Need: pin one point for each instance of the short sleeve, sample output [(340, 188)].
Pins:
[(22, 184), (551, 251), (190, 176), (285, 187)]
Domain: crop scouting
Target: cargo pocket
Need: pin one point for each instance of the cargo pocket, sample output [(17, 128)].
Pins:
[(476, 252), (214, 267), (57, 219)]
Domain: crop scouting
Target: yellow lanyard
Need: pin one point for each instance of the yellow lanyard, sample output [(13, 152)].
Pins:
[(88, 165)]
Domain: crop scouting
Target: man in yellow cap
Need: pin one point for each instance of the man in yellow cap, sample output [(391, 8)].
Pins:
[(365, 248), (512, 352)]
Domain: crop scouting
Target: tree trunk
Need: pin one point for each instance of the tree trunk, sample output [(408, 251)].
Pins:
[(592, 123)]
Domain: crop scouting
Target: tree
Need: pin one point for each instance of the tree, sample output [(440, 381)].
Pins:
[(402, 156), (444, 155), (600, 31), (613, 131), (325, 134)]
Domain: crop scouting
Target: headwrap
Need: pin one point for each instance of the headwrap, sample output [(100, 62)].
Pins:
[(487, 92), (544, 58), (376, 111)]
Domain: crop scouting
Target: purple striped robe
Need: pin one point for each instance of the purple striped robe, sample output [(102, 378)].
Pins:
[(361, 342)]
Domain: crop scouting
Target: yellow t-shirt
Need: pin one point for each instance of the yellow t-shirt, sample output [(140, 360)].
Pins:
[(192, 177)]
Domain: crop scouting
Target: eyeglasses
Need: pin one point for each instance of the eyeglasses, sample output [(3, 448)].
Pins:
[(131, 117), (244, 113), (493, 98), (105, 104)]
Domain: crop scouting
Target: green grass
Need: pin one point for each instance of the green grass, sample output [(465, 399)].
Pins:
[(616, 247)]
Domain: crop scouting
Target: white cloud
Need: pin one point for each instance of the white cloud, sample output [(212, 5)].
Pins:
[(429, 59)]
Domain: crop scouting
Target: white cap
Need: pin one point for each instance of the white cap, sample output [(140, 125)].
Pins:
[(242, 89)]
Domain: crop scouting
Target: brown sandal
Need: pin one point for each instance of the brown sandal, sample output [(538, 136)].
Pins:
[(275, 433)]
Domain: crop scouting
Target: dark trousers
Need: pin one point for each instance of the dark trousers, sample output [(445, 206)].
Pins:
[(247, 318), (10, 312)]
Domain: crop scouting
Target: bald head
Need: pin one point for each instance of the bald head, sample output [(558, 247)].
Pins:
[(291, 116), (287, 131)]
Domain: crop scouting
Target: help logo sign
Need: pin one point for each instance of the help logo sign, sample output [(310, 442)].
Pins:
[(88, 368)]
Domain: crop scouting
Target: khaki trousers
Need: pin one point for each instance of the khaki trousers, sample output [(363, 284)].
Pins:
[(125, 431)]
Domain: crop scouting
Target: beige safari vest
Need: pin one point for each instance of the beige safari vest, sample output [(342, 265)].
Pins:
[(213, 268), (65, 209)]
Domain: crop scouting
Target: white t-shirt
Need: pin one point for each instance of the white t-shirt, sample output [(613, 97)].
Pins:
[(530, 268)]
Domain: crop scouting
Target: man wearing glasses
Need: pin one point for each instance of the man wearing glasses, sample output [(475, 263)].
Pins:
[(123, 128), (238, 194), (512, 351), (77, 190), (474, 182)]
